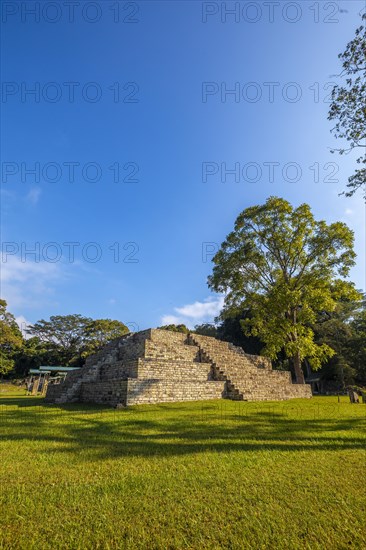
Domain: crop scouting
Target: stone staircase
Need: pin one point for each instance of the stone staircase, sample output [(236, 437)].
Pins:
[(248, 378), (69, 391)]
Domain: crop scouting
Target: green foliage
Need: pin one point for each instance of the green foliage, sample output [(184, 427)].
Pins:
[(10, 339), (231, 330), (206, 329), (71, 338), (34, 353), (358, 345), (334, 328), (101, 331), (285, 267), (348, 107), (64, 334), (175, 328)]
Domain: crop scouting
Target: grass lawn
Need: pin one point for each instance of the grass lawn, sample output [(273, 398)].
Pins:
[(214, 474)]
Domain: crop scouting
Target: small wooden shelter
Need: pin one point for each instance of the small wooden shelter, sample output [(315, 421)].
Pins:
[(39, 379)]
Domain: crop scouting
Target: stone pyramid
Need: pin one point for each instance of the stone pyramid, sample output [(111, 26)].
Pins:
[(157, 366)]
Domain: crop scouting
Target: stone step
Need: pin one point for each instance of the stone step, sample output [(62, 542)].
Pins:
[(249, 376)]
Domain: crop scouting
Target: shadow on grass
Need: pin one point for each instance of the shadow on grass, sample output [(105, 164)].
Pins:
[(95, 432)]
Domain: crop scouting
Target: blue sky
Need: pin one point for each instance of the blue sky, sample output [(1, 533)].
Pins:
[(141, 100)]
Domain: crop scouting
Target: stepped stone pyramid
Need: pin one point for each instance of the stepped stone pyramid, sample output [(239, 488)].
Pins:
[(156, 366)]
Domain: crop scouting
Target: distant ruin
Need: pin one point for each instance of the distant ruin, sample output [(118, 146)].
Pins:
[(158, 366)]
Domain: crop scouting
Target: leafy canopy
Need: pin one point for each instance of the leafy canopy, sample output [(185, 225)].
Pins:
[(74, 337), (285, 267), (348, 106), (10, 338), (101, 331)]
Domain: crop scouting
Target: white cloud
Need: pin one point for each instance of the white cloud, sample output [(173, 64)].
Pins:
[(170, 320), (199, 310), (23, 324), (196, 313), (348, 212), (14, 269), (33, 195), (27, 283)]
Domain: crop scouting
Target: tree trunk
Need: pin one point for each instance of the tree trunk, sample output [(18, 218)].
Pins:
[(298, 370)]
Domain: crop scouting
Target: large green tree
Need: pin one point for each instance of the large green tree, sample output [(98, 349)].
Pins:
[(64, 333), (10, 338), (35, 352), (71, 338), (284, 266), (101, 331), (358, 346), (348, 106)]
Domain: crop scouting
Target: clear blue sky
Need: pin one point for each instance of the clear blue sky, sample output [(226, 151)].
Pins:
[(167, 128)]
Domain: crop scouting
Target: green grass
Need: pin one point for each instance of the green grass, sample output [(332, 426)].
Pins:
[(281, 475)]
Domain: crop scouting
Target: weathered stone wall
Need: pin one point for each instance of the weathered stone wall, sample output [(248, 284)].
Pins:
[(164, 391), (259, 362), (168, 369), (119, 369), (127, 348), (138, 391), (111, 393), (172, 352), (53, 392), (168, 337)]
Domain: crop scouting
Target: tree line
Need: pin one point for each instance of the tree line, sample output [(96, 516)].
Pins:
[(65, 340)]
